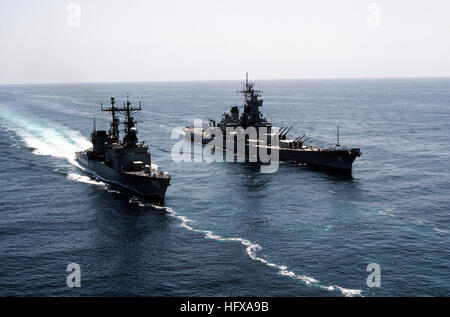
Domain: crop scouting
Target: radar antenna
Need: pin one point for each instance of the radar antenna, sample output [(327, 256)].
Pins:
[(251, 114), (128, 110)]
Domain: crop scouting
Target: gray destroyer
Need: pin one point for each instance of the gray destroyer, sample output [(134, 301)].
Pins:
[(295, 150), (126, 162)]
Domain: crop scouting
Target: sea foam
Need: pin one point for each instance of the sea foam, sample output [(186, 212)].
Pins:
[(252, 248)]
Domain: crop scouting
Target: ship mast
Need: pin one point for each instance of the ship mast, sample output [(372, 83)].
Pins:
[(128, 110), (251, 113)]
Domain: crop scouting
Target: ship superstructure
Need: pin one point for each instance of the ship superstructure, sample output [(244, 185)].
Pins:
[(295, 149), (125, 162)]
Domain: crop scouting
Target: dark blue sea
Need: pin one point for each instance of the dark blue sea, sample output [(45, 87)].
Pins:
[(226, 229)]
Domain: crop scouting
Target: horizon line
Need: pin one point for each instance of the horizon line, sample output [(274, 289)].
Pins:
[(217, 80)]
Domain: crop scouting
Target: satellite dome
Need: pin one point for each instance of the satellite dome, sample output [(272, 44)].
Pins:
[(133, 130)]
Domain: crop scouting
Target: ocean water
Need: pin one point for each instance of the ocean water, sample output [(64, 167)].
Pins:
[(225, 228)]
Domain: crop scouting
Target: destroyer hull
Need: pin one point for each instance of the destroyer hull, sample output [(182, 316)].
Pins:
[(153, 188), (327, 158)]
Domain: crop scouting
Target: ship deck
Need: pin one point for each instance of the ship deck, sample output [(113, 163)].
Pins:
[(152, 174)]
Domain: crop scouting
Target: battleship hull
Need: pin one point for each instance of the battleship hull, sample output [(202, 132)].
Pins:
[(336, 159), (152, 188), (231, 132)]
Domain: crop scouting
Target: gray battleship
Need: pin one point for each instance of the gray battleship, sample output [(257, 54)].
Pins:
[(126, 162), (295, 150)]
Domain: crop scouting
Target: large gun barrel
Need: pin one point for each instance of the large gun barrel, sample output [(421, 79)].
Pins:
[(280, 132), (305, 140), (286, 132), (298, 139)]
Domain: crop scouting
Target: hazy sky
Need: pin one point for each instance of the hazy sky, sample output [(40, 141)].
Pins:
[(151, 40)]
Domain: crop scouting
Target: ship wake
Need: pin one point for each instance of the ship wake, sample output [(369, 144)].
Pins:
[(85, 179), (57, 141), (252, 251), (47, 139)]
